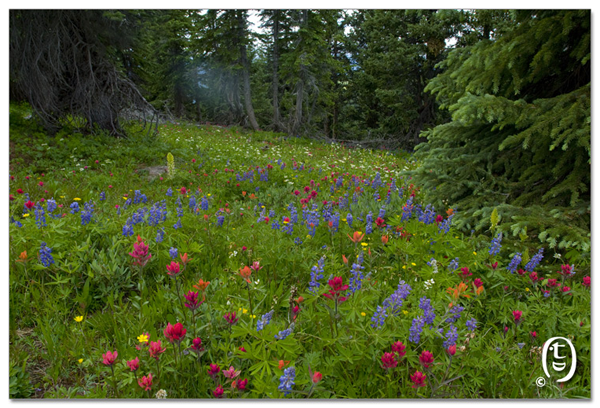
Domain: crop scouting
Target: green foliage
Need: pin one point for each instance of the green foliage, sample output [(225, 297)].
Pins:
[(95, 280), (519, 139)]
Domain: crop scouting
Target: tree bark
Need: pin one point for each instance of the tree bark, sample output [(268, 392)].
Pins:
[(245, 71), (276, 114)]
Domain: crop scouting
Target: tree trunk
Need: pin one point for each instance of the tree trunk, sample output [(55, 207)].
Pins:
[(276, 115), (246, 72), (300, 84)]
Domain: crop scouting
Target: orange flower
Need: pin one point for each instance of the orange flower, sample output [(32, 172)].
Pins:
[(450, 211), (252, 196), (184, 258), (458, 291), (244, 193), (384, 239), (356, 237), (23, 257), (283, 363), (201, 286), (344, 259), (479, 290), (245, 273), (300, 299)]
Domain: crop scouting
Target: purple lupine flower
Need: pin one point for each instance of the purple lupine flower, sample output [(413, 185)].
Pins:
[(286, 381), (284, 333), (455, 312), (160, 234), (316, 274), (170, 192), (445, 226), (512, 266), (453, 265), (496, 244), (535, 260), (471, 324), (220, 220), (264, 320), (451, 337), (40, 218), (173, 253), (369, 227), (86, 214), (416, 329), (178, 224), (349, 220), (429, 313), (74, 208), (357, 275), (45, 255), (204, 203), (378, 318)]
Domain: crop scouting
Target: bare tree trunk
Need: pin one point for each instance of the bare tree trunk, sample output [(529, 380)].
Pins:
[(276, 114), (300, 84), (246, 71)]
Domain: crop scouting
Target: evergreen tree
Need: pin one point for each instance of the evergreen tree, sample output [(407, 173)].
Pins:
[(519, 138), (68, 64)]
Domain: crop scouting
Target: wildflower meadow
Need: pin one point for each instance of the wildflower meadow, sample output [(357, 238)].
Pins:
[(207, 262)]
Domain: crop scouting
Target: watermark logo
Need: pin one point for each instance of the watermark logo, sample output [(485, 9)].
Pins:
[(559, 349)]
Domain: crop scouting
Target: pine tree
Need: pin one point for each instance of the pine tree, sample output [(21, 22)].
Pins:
[(519, 138)]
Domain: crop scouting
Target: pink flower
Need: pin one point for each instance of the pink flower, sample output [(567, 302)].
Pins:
[(587, 281), (173, 269), (242, 349), (551, 283), (192, 300), (218, 392), (109, 358), (146, 382), (156, 349), (465, 272), (426, 358), (230, 318), (134, 364), (140, 253), (418, 379), (517, 314), (174, 333), (451, 350), (337, 287), (29, 204), (256, 266), (183, 190), (19, 191), (388, 360), (213, 370), (533, 334), (533, 276), (399, 348), (241, 385), (197, 344), (478, 283), (317, 377), (231, 373)]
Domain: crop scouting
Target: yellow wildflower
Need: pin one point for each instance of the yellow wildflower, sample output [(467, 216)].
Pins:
[(80, 360), (403, 266), (25, 215), (474, 253), (405, 312), (363, 314), (77, 199), (413, 264), (79, 319), (143, 338)]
